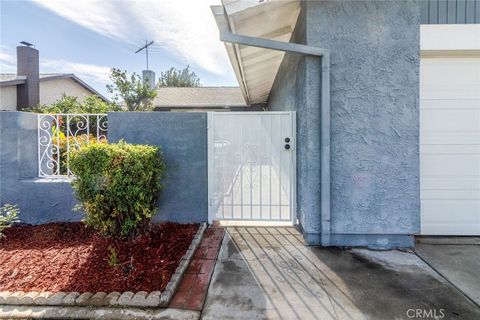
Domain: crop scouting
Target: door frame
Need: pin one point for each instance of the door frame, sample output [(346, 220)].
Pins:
[(293, 164)]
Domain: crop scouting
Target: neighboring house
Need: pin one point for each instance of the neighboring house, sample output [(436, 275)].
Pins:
[(388, 111), (29, 87), (201, 99)]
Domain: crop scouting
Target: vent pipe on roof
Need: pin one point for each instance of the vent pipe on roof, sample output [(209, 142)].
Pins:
[(149, 78), (28, 94)]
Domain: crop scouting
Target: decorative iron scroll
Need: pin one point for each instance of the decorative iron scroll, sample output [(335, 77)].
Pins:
[(59, 134)]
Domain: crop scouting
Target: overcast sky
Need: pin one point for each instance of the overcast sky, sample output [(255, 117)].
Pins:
[(88, 37)]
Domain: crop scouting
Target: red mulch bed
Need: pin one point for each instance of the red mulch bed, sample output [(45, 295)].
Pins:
[(70, 257)]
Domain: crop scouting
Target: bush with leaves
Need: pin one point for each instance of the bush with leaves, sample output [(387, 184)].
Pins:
[(133, 90), (8, 216), (117, 186), (69, 104), (179, 78), (70, 143)]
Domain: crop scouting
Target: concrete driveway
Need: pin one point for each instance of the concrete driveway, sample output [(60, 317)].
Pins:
[(456, 259), (268, 273)]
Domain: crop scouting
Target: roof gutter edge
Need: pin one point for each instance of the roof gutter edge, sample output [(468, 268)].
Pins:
[(223, 24)]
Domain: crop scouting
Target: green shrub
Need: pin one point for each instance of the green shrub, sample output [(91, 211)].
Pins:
[(69, 104), (117, 186), (8, 216)]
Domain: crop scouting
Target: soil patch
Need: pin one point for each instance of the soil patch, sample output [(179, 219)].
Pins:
[(71, 257)]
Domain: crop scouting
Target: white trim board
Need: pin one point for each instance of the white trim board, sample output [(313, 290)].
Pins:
[(450, 37)]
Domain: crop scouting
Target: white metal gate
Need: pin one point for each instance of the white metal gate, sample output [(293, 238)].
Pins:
[(251, 166)]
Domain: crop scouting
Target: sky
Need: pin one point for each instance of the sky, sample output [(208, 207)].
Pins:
[(88, 37)]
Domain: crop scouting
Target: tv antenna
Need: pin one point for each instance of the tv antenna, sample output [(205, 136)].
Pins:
[(145, 47)]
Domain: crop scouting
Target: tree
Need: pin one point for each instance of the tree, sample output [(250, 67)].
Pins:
[(178, 78), (93, 104), (137, 94)]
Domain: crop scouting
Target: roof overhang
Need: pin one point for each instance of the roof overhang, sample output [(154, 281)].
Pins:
[(256, 67), (77, 80), (18, 80), (13, 82)]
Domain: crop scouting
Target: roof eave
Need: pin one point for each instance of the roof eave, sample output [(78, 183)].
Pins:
[(201, 105), (9, 83), (224, 26), (77, 80), (13, 82), (256, 67)]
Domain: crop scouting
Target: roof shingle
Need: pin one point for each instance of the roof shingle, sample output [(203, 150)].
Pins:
[(199, 97)]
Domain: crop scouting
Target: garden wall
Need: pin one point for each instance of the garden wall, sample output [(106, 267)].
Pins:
[(182, 137), (40, 200)]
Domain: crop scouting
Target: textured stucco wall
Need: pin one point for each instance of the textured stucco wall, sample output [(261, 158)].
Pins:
[(374, 116), (374, 119), (296, 88), (53, 90), (39, 200), (183, 139), (8, 98)]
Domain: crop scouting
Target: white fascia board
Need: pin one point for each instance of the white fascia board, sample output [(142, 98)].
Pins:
[(450, 38), (234, 6), (223, 26), (220, 19)]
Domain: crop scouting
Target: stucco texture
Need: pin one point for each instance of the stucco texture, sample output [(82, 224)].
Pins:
[(296, 88), (182, 137), (8, 98), (53, 90), (374, 112), (39, 200), (374, 119), (183, 140)]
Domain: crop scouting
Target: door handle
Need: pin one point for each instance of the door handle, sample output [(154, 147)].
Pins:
[(287, 146)]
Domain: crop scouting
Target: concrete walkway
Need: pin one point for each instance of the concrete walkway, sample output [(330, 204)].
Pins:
[(268, 273)]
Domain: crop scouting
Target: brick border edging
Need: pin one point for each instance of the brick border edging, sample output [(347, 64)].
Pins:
[(172, 285), (112, 299), (77, 312)]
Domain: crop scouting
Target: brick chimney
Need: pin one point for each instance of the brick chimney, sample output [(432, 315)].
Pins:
[(28, 94)]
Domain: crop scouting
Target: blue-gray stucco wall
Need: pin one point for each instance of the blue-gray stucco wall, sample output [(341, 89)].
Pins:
[(296, 88), (183, 140), (374, 119), (39, 200), (182, 137)]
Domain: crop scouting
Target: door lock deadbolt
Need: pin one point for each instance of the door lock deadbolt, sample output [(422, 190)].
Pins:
[(287, 139)]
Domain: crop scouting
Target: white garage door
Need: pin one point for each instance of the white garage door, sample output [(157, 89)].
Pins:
[(450, 145)]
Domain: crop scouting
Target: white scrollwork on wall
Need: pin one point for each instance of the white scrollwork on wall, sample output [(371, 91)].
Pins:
[(59, 134)]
